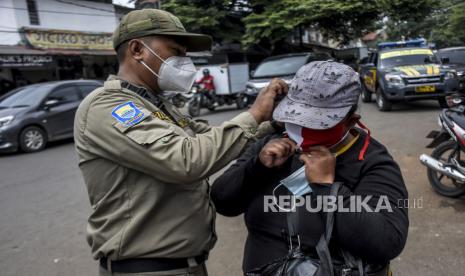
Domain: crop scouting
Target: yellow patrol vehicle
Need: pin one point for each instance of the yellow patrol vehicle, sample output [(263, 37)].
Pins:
[(405, 71)]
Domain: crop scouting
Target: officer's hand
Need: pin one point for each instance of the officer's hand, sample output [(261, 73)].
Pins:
[(320, 165), (276, 152), (263, 107)]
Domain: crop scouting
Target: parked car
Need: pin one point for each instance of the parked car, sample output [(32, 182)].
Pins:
[(454, 58), (405, 71), (282, 66), (32, 115)]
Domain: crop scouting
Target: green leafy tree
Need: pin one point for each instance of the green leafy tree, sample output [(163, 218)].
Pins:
[(270, 22), (220, 19), (452, 32), (273, 21), (438, 21)]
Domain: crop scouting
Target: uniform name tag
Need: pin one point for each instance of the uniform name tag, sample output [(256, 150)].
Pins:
[(128, 114)]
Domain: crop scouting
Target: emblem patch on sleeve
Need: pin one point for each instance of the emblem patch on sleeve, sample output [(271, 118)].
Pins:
[(128, 114)]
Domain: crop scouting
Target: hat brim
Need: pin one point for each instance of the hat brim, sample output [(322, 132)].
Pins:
[(309, 116), (193, 42)]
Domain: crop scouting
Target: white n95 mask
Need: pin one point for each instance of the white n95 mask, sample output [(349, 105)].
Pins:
[(176, 73)]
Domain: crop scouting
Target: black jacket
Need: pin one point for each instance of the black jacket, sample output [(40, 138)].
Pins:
[(375, 237)]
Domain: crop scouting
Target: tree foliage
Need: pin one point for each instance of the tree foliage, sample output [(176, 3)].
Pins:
[(441, 23), (268, 22), (220, 19), (449, 30), (342, 20)]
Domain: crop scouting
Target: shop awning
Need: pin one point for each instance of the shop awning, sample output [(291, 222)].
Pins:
[(22, 50), (16, 56), (21, 57), (69, 52), (19, 50)]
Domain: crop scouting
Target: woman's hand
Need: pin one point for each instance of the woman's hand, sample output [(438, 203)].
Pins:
[(276, 152), (320, 165)]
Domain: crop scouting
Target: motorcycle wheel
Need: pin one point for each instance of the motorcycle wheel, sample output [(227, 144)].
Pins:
[(250, 99), (241, 102), (442, 184), (194, 107)]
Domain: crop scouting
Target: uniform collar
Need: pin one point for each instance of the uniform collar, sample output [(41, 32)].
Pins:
[(139, 90)]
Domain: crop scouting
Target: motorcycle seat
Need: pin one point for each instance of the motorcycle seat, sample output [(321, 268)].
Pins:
[(458, 118)]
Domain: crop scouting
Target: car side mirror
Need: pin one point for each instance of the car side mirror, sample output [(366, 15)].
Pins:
[(51, 103), (252, 73), (445, 60)]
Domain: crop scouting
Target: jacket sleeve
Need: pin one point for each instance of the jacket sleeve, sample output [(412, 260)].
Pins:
[(159, 148), (373, 236), (233, 190)]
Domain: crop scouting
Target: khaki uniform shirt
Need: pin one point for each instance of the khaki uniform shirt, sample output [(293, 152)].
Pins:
[(146, 170)]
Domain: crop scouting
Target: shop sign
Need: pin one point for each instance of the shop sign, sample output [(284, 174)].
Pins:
[(17, 60), (58, 39)]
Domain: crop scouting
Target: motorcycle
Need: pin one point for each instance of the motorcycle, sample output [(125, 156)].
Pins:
[(203, 98), (446, 169), (179, 100)]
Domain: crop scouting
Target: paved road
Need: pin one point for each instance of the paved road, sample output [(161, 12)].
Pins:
[(43, 207)]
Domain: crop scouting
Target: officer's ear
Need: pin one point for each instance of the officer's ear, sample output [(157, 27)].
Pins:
[(136, 49)]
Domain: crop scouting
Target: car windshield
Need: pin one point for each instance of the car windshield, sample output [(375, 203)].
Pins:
[(407, 57), (455, 56), (280, 66), (27, 96)]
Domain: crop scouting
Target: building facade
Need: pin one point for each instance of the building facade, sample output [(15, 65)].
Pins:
[(43, 40)]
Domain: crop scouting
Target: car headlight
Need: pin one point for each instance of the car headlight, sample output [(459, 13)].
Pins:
[(449, 75), (393, 79), (6, 120), (460, 73)]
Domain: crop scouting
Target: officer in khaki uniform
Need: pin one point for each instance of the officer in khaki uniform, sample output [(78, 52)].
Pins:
[(145, 164)]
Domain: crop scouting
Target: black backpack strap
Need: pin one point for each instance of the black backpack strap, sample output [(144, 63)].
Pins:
[(292, 226), (322, 249), (353, 262)]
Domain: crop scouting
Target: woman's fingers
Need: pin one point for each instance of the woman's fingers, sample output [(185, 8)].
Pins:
[(277, 151)]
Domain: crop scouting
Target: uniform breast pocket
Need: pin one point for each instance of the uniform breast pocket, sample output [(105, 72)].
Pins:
[(143, 134)]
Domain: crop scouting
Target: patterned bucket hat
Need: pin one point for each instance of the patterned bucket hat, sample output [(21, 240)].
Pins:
[(320, 96)]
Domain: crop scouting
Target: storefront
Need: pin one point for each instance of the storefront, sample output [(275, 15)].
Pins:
[(56, 55)]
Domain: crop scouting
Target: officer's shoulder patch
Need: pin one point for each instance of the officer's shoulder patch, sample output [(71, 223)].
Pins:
[(128, 114)]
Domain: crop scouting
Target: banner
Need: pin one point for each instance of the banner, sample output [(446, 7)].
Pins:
[(60, 39), (18, 60)]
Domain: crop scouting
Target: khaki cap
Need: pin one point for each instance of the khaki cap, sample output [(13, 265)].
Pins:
[(146, 22)]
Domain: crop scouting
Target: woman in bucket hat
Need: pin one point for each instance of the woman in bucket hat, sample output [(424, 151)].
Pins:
[(318, 148)]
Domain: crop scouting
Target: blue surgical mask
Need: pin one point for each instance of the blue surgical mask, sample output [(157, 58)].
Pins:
[(296, 183)]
